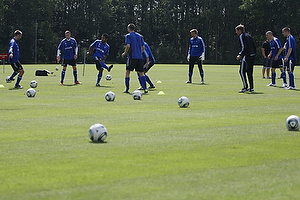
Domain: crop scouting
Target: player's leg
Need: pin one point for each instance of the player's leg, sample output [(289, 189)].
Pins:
[(273, 72), (15, 71), (283, 74), (103, 65), (99, 77), (242, 71), (250, 63), (263, 72), (63, 71), (21, 73), (73, 63), (129, 68), (139, 67), (290, 69), (148, 80), (191, 69), (200, 67)]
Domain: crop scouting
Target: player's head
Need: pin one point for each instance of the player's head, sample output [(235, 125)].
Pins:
[(240, 29), (18, 34), (194, 32), (68, 34), (286, 31), (104, 37), (269, 35), (130, 27)]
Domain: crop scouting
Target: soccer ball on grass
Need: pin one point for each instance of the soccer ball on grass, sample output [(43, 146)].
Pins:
[(30, 92), (108, 77), (33, 84), (110, 96), (97, 133), (293, 123), (183, 102), (137, 95)]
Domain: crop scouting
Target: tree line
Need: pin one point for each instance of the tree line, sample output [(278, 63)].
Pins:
[(165, 25)]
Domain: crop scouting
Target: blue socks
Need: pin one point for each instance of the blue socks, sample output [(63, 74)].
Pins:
[(202, 76), (13, 75), (127, 79), (148, 80), (99, 77), (190, 76), (18, 81), (273, 75), (63, 73), (103, 65), (143, 82), (283, 75), (291, 79), (75, 75)]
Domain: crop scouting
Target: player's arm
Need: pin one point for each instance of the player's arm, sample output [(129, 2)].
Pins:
[(143, 48), (263, 51), (58, 52), (76, 51), (126, 50), (278, 54), (189, 52), (288, 54), (242, 52), (11, 50), (89, 51)]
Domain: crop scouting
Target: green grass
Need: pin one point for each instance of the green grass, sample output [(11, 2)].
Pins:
[(226, 145)]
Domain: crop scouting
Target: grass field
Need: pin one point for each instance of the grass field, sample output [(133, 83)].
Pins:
[(226, 145)]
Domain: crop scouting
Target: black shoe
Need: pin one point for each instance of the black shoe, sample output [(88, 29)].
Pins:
[(251, 90), (188, 82), (140, 88), (110, 67), (126, 91), (12, 79), (98, 85), (243, 90), (146, 91), (151, 87), (18, 87)]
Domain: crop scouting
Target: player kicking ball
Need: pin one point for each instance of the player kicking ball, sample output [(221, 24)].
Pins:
[(149, 61), (101, 51), (69, 48), (14, 54)]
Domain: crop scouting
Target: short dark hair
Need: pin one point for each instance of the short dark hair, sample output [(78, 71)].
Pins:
[(269, 33), (287, 29), (105, 35), (194, 31), (240, 27), (18, 32), (67, 31), (131, 27)]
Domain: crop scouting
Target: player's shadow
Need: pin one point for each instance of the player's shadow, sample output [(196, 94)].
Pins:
[(98, 143), (254, 93), (105, 86), (200, 84), (14, 89)]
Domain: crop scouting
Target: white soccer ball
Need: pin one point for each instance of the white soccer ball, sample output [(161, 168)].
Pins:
[(33, 84), (293, 123), (8, 79), (108, 77), (98, 133), (56, 68), (30, 92), (183, 102), (137, 95), (110, 96)]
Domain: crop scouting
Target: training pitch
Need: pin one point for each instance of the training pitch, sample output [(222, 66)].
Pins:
[(225, 145)]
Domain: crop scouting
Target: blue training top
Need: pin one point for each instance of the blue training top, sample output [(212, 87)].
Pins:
[(14, 49), (148, 53), (68, 47), (136, 42), (275, 46), (196, 46), (101, 49), (291, 43)]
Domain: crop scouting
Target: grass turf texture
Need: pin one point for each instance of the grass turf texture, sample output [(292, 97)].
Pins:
[(226, 145)]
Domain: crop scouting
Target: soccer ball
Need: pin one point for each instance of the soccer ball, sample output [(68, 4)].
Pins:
[(56, 68), (110, 96), (293, 123), (30, 92), (108, 77), (98, 133), (33, 84), (8, 79), (183, 102), (137, 95)]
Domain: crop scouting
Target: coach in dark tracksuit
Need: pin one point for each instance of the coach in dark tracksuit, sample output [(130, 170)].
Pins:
[(247, 56)]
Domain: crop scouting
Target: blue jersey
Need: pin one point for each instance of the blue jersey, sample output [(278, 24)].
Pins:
[(148, 53), (275, 46), (69, 48), (196, 46), (136, 42), (101, 49), (291, 43), (14, 49)]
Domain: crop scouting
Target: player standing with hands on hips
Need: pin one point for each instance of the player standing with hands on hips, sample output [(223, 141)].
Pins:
[(247, 56), (290, 56), (134, 47), (70, 51), (195, 54), (14, 53)]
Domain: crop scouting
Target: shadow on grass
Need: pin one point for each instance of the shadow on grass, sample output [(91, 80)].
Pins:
[(15, 88), (199, 84), (98, 143), (254, 93)]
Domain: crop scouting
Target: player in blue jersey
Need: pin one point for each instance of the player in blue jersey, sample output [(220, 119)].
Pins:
[(14, 53), (149, 61), (135, 46), (69, 48), (290, 56), (276, 55), (101, 51), (196, 54)]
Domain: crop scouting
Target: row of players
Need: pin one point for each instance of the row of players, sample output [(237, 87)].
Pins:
[(140, 57)]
